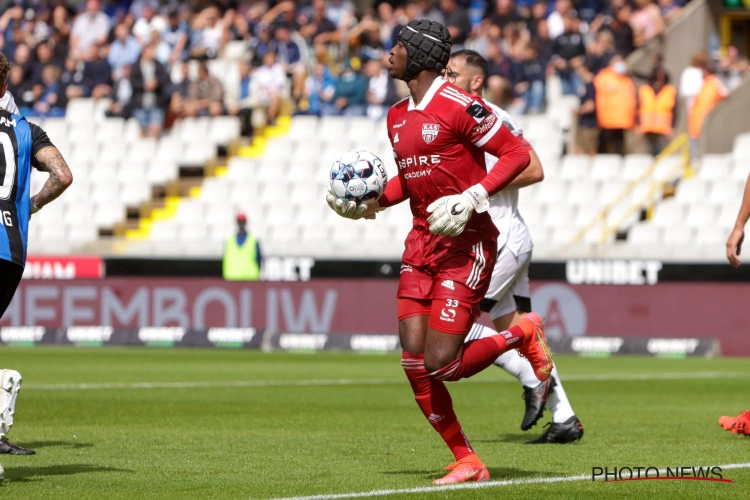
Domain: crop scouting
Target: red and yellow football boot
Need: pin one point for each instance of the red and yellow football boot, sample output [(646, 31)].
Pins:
[(467, 469), (535, 347)]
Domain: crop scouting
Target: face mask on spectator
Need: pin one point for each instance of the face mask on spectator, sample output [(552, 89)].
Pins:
[(620, 68)]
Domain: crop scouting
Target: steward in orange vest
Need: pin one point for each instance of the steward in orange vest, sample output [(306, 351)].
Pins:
[(616, 105), (711, 94), (657, 101)]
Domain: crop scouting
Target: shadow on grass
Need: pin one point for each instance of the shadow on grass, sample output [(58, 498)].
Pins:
[(29, 473), (510, 438), (66, 444), (496, 473)]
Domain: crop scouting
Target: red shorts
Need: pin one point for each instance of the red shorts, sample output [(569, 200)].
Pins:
[(448, 291)]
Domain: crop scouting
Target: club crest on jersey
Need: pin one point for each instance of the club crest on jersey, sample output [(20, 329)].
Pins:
[(430, 132)]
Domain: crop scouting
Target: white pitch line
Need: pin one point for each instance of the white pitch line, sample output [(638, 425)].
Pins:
[(624, 377), (466, 486)]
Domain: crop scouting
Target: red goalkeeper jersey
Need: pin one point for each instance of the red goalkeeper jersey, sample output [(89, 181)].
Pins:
[(439, 148)]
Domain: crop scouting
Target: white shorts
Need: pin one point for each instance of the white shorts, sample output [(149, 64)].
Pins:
[(509, 286)]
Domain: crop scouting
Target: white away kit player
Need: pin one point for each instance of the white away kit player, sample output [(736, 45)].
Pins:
[(509, 297)]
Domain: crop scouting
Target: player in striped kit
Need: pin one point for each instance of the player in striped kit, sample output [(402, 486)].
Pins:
[(508, 298), (24, 145)]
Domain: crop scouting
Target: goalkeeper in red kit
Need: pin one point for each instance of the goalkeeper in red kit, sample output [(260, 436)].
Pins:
[(439, 136)]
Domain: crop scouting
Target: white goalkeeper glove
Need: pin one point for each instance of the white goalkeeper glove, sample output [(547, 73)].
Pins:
[(346, 209), (450, 214)]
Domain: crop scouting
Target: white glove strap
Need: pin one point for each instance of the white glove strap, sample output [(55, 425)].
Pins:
[(478, 197)]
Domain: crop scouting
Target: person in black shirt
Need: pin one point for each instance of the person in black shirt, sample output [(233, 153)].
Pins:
[(456, 20), (568, 51), (587, 132), (504, 14), (533, 76)]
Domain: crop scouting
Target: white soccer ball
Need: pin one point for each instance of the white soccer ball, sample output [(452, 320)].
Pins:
[(358, 176)]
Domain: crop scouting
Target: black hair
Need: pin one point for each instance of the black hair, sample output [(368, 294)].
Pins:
[(473, 58)]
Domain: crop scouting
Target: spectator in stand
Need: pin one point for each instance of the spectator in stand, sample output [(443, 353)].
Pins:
[(388, 23), (317, 28), (49, 95), (22, 58), (691, 79), (319, 89), (122, 94), (350, 96), (89, 28), (669, 9), (338, 11), (21, 88), (502, 74), (732, 68), (174, 40), (657, 115), (243, 108), (180, 91), (147, 24), (98, 73), (712, 93), (292, 53), (457, 21), (271, 80), (587, 132), (72, 78), (208, 34), (538, 15), (151, 92), (532, 86), (646, 21), (61, 27), (616, 105), (567, 52), (622, 30), (44, 56), (364, 39), (381, 89), (601, 50), (556, 19), (125, 50), (505, 13), (205, 95), (430, 12)]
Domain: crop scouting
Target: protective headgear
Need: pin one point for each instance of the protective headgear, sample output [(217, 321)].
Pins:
[(428, 47)]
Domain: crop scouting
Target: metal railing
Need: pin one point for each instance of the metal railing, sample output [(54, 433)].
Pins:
[(679, 145)]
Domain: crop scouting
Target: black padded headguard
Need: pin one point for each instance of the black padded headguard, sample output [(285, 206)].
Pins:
[(428, 47)]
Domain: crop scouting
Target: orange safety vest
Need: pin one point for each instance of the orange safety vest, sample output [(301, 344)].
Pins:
[(657, 110), (615, 100), (712, 92)]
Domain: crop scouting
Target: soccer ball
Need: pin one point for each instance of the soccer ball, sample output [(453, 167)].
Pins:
[(358, 176)]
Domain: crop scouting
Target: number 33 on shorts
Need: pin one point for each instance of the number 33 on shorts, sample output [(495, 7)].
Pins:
[(449, 311)]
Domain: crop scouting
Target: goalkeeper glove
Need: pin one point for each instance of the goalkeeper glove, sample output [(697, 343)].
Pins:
[(450, 214), (346, 209)]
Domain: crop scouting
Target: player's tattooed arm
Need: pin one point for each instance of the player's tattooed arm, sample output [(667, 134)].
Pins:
[(60, 177)]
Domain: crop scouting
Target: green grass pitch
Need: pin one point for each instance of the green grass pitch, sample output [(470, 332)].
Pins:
[(236, 424)]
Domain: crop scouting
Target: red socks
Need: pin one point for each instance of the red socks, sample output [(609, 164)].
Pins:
[(435, 402), (479, 354)]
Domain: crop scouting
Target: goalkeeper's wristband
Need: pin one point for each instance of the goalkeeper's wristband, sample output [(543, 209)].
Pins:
[(32, 206), (478, 197)]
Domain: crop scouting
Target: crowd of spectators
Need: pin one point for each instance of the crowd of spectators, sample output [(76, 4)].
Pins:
[(320, 57)]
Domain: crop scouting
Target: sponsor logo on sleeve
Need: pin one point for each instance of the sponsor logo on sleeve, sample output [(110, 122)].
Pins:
[(484, 126), (478, 111)]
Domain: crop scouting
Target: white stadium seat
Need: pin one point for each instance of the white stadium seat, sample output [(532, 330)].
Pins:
[(575, 167), (110, 130), (635, 165), (725, 191), (700, 214), (223, 129), (692, 190), (644, 235), (715, 167), (79, 111), (677, 235), (668, 213)]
